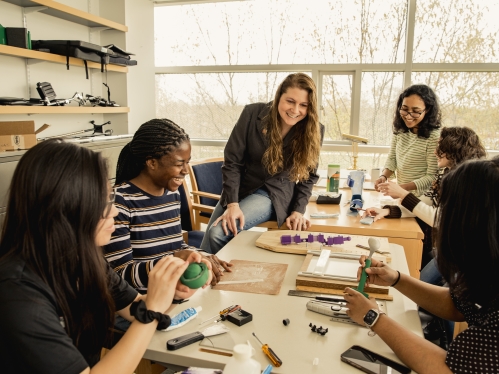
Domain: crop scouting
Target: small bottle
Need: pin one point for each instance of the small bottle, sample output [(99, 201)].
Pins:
[(333, 178), (241, 362)]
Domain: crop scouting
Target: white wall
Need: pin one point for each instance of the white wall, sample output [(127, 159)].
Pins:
[(135, 89)]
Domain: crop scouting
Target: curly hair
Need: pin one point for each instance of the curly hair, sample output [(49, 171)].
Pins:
[(433, 115), (153, 139), (458, 144), (306, 143)]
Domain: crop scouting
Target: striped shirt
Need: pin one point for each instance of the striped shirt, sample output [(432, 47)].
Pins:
[(413, 159), (147, 228)]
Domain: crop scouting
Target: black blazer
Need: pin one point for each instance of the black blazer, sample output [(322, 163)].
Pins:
[(243, 171)]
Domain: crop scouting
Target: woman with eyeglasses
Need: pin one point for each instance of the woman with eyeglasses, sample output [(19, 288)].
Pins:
[(416, 132), (58, 295)]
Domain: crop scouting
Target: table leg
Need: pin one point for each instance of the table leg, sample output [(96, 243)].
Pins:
[(413, 249)]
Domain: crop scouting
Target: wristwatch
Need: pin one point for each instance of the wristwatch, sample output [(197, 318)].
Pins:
[(371, 318)]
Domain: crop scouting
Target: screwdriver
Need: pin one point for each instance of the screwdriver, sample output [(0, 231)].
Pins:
[(228, 311), (224, 312), (276, 361)]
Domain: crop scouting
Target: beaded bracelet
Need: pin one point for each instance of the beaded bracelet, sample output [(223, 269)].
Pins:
[(398, 278), (139, 310)]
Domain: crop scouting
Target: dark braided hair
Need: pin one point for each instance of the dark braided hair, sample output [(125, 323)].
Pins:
[(153, 139)]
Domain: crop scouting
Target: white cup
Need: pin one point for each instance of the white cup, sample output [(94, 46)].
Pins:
[(375, 173)]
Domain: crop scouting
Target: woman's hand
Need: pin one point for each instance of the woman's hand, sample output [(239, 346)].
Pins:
[(163, 280), (218, 268), (296, 221), (358, 305), (188, 255), (393, 190), (377, 213), (378, 273), (231, 214), (381, 179)]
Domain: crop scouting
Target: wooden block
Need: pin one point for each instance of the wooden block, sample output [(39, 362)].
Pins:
[(271, 240), (332, 291)]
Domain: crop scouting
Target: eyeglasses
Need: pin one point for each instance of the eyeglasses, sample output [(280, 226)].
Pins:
[(110, 202), (414, 115)]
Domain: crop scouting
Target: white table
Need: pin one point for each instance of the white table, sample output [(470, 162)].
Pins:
[(295, 344)]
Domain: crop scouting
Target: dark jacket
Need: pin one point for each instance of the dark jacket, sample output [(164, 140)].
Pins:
[(243, 171)]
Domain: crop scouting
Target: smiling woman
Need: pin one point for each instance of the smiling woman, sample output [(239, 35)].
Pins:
[(149, 172), (270, 163), (416, 125)]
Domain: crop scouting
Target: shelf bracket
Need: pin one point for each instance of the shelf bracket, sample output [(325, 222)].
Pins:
[(99, 28), (32, 9)]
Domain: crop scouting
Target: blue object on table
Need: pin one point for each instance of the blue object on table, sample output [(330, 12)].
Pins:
[(268, 369)]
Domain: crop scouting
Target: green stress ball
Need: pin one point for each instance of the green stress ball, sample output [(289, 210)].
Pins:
[(195, 275)]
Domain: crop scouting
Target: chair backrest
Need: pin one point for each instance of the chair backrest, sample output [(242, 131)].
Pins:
[(206, 176), (186, 215)]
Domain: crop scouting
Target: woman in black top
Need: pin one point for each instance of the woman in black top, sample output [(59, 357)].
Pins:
[(270, 164), (468, 258), (58, 294)]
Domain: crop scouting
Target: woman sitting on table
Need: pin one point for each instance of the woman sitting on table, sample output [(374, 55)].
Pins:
[(415, 128), (58, 294), (456, 145), (270, 164), (468, 258), (150, 170)]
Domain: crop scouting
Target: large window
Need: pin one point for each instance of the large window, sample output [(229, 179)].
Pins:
[(215, 57)]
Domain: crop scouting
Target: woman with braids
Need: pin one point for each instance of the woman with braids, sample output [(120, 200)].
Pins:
[(467, 244), (270, 163), (415, 127), (58, 294), (150, 170)]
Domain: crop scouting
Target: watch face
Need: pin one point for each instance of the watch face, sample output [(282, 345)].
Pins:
[(370, 317)]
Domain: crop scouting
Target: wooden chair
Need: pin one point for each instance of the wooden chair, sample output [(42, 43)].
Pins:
[(206, 182), (191, 236)]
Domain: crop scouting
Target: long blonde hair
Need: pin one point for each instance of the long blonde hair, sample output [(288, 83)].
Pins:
[(305, 144)]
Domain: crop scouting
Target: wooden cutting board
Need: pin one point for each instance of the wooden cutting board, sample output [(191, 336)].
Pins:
[(271, 240)]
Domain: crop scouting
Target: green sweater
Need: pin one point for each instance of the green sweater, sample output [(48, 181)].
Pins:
[(413, 159)]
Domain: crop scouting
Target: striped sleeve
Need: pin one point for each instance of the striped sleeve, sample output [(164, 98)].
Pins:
[(413, 159), (147, 228)]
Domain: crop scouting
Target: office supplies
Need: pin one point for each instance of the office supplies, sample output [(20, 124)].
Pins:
[(185, 340), (276, 361), (324, 215)]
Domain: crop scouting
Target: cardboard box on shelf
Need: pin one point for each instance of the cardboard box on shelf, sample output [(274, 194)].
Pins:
[(17, 135)]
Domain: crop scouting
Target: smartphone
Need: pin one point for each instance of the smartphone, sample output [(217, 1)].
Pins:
[(370, 362)]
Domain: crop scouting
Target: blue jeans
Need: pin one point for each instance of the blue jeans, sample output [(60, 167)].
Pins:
[(257, 208), (430, 274)]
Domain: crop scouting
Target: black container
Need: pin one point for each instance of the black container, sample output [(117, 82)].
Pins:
[(240, 317), (16, 37)]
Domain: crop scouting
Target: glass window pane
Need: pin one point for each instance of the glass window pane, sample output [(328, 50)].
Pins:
[(280, 32), (379, 95), (365, 161), (456, 31), (337, 105), (468, 99), (207, 106)]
